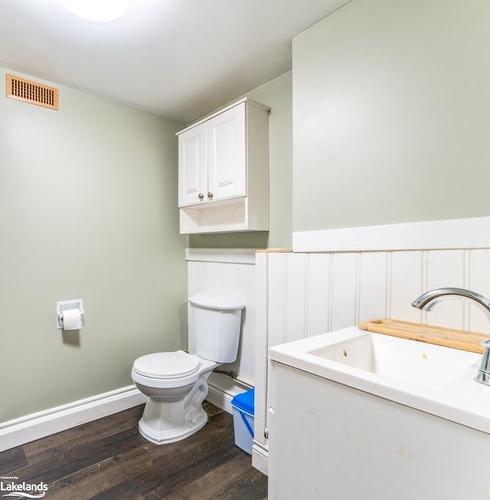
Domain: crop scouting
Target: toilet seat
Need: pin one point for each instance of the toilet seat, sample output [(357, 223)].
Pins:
[(167, 365)]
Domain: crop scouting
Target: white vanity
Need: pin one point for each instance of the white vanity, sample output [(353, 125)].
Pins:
[(407, 417)]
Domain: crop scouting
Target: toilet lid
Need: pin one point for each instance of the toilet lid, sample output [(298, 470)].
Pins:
[(167, 364)]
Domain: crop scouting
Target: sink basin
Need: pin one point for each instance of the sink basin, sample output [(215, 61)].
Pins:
[(417, 363), (434, 379)]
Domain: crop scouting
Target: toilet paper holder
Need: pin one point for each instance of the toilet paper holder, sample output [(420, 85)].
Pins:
[(68, 305)]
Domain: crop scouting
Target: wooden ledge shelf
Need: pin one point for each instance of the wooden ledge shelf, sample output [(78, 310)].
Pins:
[(446, 337)]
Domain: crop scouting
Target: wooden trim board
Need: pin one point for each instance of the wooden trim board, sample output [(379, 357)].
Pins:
[(446, 337), (274, 250)]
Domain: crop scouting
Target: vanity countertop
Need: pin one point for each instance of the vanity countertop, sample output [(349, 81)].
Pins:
[(434, 379)]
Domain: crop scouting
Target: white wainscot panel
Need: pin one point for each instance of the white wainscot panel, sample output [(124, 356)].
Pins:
[(278, 268), (479, 281), (373, 300), (236, 279), (296, 297), (405, 284), (318, 293), (344, 290), (261, 346), (446, 268), (193, 277)]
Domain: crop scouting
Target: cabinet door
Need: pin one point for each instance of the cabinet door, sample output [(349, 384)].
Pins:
[(192, 166), (226, 155)]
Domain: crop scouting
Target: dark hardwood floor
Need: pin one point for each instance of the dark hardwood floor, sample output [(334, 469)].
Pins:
[(108, 459)]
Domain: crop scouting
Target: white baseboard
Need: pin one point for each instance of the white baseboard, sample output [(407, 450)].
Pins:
[(260, 458), (44, 423), (220, 399), (222, 389)]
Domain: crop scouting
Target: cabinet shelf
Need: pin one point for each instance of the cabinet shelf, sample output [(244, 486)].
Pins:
[(218, 217)]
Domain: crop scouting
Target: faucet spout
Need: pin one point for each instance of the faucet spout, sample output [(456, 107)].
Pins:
[(428, 299)]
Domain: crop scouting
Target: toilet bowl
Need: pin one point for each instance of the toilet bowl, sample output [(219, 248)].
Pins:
[(176, 383)]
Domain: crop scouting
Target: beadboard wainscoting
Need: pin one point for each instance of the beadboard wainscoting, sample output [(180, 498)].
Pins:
[(225, 272), (315, 293)]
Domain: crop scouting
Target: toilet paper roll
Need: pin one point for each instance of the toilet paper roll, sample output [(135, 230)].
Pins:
[(72, 319)]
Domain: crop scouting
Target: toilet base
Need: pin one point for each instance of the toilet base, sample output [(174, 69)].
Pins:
[(175, 414), (170, 436)]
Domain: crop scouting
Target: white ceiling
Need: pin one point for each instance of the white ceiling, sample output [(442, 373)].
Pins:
[(177, 58)]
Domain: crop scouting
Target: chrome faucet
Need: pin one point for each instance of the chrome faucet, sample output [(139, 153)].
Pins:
[(429, 299)]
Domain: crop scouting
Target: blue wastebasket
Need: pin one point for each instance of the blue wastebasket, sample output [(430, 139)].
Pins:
[(243, 419)]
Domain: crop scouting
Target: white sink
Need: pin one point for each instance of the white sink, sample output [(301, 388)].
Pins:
[(434, 379), (412, 362)]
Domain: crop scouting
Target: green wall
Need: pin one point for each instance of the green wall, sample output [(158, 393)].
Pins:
[(391, 114), (277, 94), (88, 198)]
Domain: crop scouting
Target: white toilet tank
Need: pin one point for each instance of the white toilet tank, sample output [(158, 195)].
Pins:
[(214, 327)]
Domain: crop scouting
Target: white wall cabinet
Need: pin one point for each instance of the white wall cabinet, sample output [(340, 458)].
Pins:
[(227, 154), (224, 171), (192, 165)]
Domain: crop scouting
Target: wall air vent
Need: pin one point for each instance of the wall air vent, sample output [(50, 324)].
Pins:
[(31, 92)]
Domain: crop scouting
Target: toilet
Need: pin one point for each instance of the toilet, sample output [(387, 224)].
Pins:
[(176, 383)]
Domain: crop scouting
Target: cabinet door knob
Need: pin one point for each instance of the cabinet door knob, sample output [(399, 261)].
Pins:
[(201, 196), (210, 196)]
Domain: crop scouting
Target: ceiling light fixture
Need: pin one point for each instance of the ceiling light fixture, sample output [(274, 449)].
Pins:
[(97, 10)]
